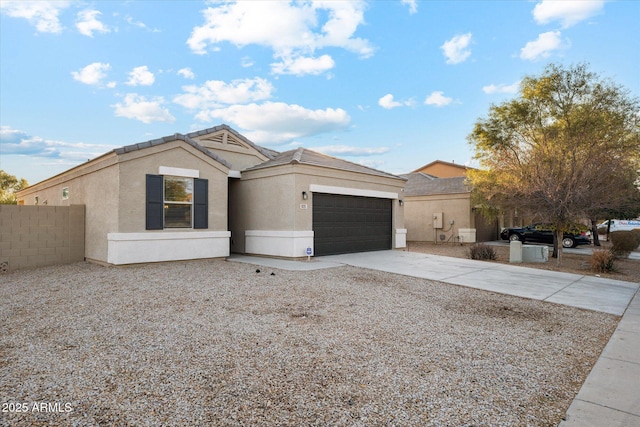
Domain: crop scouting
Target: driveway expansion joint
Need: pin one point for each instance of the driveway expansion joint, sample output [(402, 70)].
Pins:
[(565, 287), (608, 407)]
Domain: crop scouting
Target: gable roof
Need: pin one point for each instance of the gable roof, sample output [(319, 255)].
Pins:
[(442, 163), (308, 157), (269, 154), (165, 139), (422, 184), (142, 146)]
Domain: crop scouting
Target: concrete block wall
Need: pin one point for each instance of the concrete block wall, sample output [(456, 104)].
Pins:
[(35, 236)]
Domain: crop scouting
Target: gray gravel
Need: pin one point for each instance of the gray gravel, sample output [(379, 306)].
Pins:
[(215, 343)]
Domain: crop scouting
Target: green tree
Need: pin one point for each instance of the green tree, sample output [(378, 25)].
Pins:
[(569, 144), (9, 186)]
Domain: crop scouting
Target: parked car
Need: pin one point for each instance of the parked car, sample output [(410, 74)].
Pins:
[(542, 233)]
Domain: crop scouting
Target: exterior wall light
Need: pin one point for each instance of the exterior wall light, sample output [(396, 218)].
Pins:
[(401, 202), (305, 196)]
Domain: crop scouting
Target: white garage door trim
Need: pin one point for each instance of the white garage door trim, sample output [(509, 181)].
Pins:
[(346, 191)]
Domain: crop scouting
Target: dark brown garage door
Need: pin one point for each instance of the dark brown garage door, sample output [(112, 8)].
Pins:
[(344, 224)]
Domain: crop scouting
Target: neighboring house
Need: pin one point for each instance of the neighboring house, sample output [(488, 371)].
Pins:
[(206, 193), (438, 208), (441, 169)]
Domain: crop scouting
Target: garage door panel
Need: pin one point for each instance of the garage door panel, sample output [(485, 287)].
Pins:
[(344, 224)]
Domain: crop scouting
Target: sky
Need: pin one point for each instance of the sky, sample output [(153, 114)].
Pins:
[(391, 84)]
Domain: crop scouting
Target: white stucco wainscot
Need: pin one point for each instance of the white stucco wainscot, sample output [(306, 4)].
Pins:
[(290, 244), (130, 248)]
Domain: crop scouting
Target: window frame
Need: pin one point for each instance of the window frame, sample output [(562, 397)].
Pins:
[(166, 202), (155, 202)]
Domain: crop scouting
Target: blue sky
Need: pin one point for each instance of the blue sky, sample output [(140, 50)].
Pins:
[(389, 84)]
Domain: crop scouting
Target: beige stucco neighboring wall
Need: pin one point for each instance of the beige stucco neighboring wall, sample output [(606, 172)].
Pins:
[(443, 169), (419, 212), (135, 165)]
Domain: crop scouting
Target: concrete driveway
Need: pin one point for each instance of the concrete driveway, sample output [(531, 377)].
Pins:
[(611, 394), (592, 293)]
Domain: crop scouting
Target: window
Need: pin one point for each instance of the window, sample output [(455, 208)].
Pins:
[(176, 202), (65, 193)]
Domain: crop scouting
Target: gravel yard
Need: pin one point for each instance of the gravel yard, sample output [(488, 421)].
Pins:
[(215, 343)]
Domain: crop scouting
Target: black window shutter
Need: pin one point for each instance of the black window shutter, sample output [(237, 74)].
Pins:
[(200, 203), (155, 202)]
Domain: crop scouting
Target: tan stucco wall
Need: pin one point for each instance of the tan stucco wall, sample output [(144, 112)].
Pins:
[(239, 161), (418, 211), (260, 204), (94, 185), (271, 199), (134, 167), (113, 189)]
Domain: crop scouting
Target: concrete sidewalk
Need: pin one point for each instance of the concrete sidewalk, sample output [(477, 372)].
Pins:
[(611, 394)]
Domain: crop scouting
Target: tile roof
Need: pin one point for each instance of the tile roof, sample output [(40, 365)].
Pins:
[(308, 157), (165, 139), (422, 184)]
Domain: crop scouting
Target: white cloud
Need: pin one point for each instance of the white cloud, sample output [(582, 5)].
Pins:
[(141, 76), (438, 99), (542, 46), (17, 142), (42, 14), (216, 93), (246, 62), (346, 150), (139, 108), (567, 12), (277, 122), (186, 73), (501, 88), (290, 29), (87, 23), (413, 5), (140, 24), (92, 74), (388, 102), (303, 65), (457, 49)]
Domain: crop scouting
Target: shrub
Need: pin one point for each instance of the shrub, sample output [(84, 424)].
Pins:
[(602, 261), (623, 242), (482, 252)]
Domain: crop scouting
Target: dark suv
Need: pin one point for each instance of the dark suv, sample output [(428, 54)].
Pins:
[(542, 233)]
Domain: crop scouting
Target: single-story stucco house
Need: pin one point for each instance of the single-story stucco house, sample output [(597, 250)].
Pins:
[(438, 208), (208, 193)]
